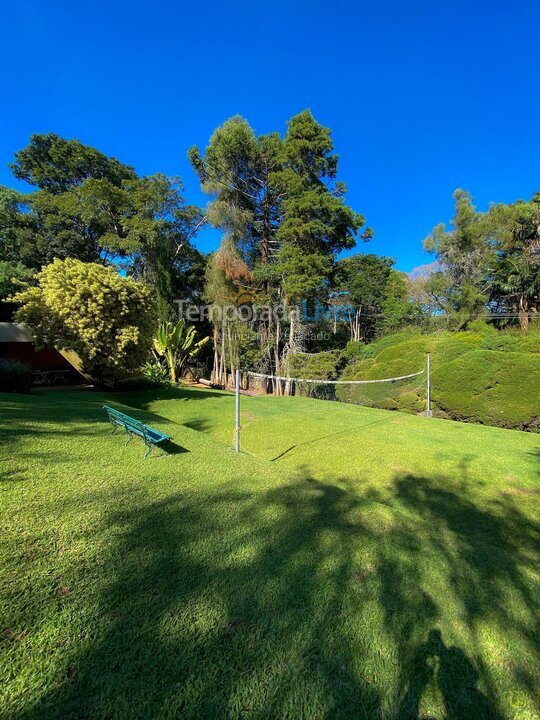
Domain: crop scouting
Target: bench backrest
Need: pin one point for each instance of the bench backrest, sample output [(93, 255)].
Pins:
[(126, 421)]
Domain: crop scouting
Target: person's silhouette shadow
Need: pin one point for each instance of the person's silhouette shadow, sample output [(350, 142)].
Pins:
[(457, 679)]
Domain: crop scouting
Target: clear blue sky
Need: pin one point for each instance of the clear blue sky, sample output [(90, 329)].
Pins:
[(422, 96)]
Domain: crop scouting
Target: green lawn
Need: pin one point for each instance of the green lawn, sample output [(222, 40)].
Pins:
[(352, 563)]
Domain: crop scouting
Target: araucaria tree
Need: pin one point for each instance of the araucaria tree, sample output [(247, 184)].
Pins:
[(107, 319), (284, 219)]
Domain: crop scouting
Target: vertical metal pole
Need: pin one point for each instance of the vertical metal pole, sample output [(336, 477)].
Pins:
[(428, 394), (237, 433)]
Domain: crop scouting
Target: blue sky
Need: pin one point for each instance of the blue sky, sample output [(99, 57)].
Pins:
[(422, 96)]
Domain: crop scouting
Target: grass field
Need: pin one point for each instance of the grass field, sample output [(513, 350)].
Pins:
[(352, 563)]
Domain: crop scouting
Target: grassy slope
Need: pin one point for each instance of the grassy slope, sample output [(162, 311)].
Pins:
[(381, 566)]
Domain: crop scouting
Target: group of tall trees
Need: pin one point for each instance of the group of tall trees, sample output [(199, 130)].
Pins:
[(284, 223), (284, 219), (488, 263)]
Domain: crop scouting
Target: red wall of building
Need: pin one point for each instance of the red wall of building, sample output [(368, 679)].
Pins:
[(25, 352)]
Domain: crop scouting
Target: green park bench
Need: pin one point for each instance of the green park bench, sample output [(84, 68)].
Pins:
[(135, 428)]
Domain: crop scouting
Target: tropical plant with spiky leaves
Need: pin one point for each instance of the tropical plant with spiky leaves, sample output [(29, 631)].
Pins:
[(175, 343)]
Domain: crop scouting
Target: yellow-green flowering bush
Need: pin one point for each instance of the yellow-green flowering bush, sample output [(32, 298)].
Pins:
[(107, 319)]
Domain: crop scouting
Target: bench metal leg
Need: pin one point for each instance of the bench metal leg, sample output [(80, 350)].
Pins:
[(162, 453)]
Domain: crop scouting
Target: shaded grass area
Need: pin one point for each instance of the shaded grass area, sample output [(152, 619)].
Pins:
[(372, 570)]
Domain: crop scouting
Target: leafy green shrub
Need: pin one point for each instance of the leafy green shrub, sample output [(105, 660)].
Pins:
[(319, 366), (490, 387), (12, 274), (406, 395), (512, 341), (356, 350), (14, 376), (155, 372), (105, 318), (482, 375)]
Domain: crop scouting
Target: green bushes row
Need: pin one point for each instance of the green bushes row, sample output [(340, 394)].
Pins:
[(14, 376), (491, 387), (481, 375), (480, 335)]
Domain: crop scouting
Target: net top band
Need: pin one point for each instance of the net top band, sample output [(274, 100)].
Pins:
[(336, 382)]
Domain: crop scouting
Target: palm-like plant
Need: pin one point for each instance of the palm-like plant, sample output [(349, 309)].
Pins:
[(176, 342)]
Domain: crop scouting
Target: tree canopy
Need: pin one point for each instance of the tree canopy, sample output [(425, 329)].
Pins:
[(488, 263), (91, 207)]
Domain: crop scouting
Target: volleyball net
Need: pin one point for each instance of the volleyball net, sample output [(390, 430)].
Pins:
[(402, 392)]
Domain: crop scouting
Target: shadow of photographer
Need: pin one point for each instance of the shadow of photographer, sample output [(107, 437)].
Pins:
[(449, 671)]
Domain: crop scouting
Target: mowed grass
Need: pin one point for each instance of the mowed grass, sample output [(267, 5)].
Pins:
[(352, 563)]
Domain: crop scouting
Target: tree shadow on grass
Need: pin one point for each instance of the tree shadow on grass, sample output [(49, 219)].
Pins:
[(222, 607), (198, 424), (15, 435), (484, 555), (67, 418), (64, 406), (307, 600)]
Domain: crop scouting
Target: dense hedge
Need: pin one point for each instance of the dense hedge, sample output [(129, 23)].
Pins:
[(482, 375), (14, 376), (491, 387)]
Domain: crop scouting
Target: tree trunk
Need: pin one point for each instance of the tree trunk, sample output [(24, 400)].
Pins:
[(276, 387), (355, 326), (523, 313), (232, 358), (290, 345), (215, 369), (222, 365), (265, 237), (171, 362), (292, 326)]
